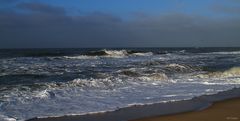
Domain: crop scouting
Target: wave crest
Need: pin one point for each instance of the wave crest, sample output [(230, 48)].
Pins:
[(109, 53), (158, 76), (225, 53), (118, 53), (81, 57), (181, 68), (232, 72)]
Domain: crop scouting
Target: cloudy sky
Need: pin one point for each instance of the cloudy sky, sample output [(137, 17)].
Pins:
[(119, 23)]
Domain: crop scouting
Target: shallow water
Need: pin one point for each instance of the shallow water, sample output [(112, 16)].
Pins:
[(57, 82)]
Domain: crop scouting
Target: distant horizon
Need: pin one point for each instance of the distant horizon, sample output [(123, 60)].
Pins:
[(116, 47)]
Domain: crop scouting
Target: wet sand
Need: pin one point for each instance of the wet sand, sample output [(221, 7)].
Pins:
[(228, 110)]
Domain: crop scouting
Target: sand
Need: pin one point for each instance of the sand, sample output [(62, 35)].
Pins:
[(228, 110)]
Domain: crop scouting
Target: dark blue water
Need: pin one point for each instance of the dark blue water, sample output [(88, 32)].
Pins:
[(57, 82)]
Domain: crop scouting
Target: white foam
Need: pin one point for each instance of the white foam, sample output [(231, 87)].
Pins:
[(81, 57), (42, 94), (174, 65), (158, 76), (5, 118), (116, 53), (143, 54), (181, 68), (169, 95), (225, 53), (233, 72)]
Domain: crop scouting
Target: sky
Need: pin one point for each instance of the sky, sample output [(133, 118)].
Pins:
[(119, 23)]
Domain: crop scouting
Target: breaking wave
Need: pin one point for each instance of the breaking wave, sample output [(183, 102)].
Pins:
[(115, 53), (118, 53), (81, 57), (232, 72), (156, 77), (110, 54), (144, 76), (225, 53), (181, 68)]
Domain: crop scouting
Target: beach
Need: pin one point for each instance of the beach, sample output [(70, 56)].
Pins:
[(220, 107), (228, 110), (119, 60)]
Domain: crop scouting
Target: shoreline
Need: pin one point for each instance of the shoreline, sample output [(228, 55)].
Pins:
[(152, 110), (226, 110)]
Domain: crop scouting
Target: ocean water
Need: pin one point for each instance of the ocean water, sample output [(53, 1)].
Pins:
[(58, 82)]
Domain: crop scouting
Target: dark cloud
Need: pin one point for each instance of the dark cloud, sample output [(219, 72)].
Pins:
[(40, 7), (44, 30), (104, 30)]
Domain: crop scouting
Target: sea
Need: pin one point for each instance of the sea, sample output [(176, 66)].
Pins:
[(59, 82)]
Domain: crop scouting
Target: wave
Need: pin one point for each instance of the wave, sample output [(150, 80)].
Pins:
[(6, 118), (48, 90), (156, 77), (99, 53), (130, 72), (72, 53), (118, 53), (143, 54), (81, 57), (160, 71), (198, 103), (143, 76), (225, 53), (110, 54), (174, 67), (159, 76), (78, 82), (61, 90), (43, 89), (94, 83), (232, 72)]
